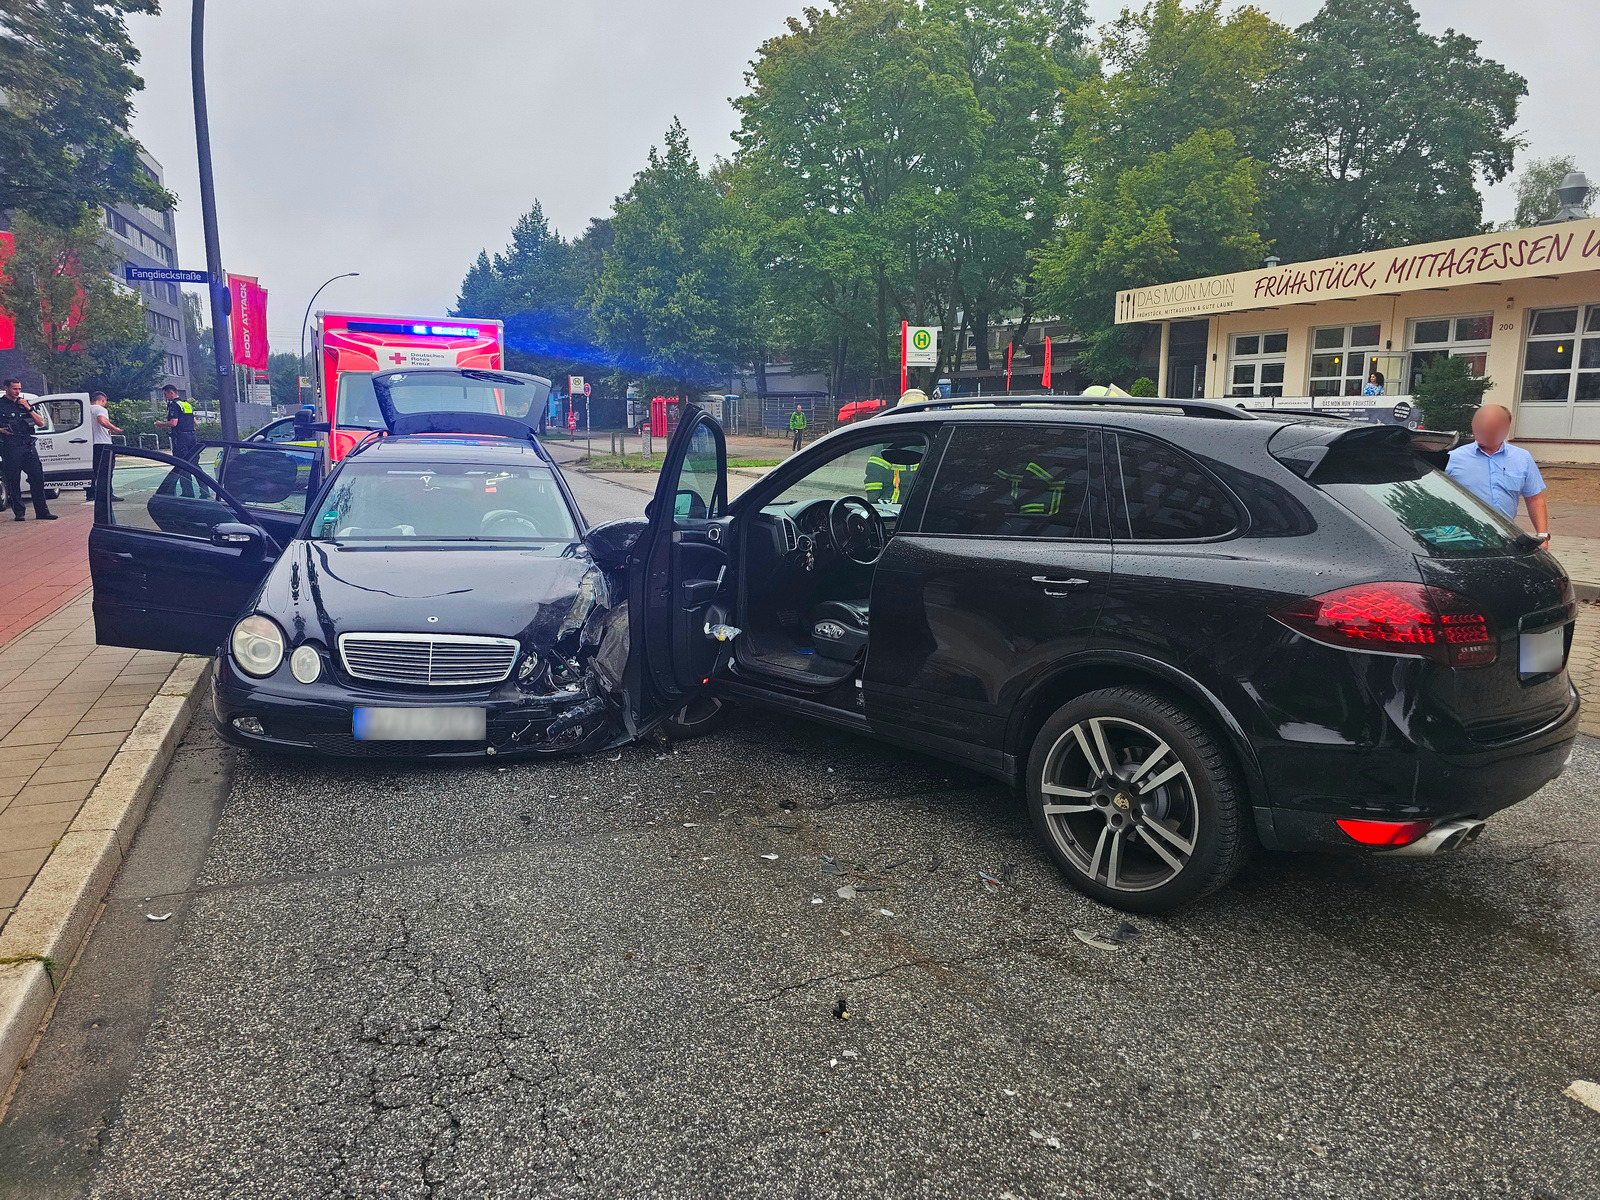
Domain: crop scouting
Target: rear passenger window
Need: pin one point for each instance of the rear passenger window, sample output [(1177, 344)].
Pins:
[(1017, 481), (1167, 496)]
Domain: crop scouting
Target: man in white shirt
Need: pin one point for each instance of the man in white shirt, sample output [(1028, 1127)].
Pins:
[(100, 428)]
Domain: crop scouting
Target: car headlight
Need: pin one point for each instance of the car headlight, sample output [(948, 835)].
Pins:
[(305, 664), (257, 645), (528, 667)]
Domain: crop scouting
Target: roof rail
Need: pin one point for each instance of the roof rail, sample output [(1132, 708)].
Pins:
[(371, 438), (1190, 408)]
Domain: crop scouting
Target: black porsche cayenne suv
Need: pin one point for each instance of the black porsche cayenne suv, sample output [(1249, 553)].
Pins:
[(1182, 628)]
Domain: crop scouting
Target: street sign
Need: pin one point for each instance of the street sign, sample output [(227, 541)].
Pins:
[(588, 390), (166, 275), (260, 393), (306, 383), (922, 346), (574, 384)]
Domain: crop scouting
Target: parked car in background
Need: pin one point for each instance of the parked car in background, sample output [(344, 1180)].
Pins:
[(64, 443)]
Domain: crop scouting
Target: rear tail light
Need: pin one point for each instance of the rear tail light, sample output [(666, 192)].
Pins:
[(1385, 833), (1397, 618)]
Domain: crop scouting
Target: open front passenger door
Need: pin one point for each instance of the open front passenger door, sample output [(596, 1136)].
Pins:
[(174, 554), (676, 571)]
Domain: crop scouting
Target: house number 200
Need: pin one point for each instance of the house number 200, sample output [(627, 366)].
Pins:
[(1505, 325)]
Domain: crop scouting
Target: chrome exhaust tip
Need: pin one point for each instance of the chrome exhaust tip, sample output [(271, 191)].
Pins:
[(1446, 836)]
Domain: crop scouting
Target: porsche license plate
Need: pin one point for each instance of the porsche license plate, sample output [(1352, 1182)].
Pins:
[(1543, 652), (421, 724)]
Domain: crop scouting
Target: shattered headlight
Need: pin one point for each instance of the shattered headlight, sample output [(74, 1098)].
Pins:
[(529, 667)]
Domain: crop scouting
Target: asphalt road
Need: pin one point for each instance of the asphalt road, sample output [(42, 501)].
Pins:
[(624, 976)]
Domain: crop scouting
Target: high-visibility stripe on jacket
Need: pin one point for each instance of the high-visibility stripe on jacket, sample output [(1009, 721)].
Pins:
[(889, 481)]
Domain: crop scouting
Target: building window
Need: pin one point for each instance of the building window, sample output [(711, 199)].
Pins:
[(1561, 360), (162, 325), (1342, 358), (175, 365), (1256, 363), (1429, 338)]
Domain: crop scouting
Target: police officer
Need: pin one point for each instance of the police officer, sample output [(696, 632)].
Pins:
[(18, 455), (180, 419)]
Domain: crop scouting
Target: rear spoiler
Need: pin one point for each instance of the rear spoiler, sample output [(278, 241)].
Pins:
[(1304, 447)]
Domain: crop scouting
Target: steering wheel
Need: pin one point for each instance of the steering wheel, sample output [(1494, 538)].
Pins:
[(507, 523), (857, 530)]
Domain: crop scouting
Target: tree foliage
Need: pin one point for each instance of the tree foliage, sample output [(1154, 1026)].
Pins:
[(1388, 130), (1449, 393), (1537, 184), (67, 69), (673, 291), (62, 291)]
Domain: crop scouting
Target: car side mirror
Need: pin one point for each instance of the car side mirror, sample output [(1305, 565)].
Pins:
[(235, 535), (612, 542)]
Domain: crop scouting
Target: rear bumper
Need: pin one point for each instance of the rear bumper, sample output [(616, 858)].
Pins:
[(319, 719), (1419, 784)]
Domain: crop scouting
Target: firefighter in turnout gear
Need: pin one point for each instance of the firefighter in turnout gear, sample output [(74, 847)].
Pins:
[(888, 482), (1041, 489)]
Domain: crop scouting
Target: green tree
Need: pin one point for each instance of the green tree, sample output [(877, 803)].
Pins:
[(124, 362), (202, 355), (1387, 131), (1536, 190), (283, 376), (69, 79), (1449, 393), (673, 292), (62, 290)]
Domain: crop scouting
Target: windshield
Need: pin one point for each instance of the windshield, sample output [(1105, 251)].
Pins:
[(1441, 517), (358, 403), (461, 392), (373, 502)]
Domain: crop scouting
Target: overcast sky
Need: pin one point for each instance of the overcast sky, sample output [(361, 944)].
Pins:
[(398, 137)]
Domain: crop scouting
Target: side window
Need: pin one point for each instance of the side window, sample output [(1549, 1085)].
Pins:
[(61, 415), (1017, 481), (149, 495), (270, 477), (697, 482), (882, 472), (1167, 496)]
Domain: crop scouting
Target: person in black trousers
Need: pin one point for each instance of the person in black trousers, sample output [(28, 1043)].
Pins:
[(18, 455)]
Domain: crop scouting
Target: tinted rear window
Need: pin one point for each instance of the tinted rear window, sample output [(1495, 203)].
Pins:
[(1440, 517)]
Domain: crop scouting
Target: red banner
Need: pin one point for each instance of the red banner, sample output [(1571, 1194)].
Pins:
[(1045, 382), (8, 327), (248, 322)]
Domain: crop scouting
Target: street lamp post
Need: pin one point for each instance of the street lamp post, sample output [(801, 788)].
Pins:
[(220, 300), (305, 319)]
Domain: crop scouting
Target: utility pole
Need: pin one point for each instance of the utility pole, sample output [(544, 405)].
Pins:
[(221, 302)]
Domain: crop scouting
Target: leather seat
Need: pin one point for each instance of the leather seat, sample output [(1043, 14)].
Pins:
[(839, 629)]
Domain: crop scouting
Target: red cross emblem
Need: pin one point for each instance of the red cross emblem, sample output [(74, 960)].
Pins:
[(397, 359)]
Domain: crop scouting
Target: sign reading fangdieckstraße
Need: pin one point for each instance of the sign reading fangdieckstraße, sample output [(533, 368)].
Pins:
[(1562, 249)]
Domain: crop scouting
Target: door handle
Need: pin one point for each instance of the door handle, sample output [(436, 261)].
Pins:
[(77, 441), (1056, 587)]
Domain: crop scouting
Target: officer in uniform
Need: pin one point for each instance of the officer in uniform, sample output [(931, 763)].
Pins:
[(180, 419), (18, 455)]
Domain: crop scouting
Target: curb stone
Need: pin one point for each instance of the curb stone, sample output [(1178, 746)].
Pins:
[(54, 915)]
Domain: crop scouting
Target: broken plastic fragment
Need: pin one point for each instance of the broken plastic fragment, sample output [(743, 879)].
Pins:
[(153, 917), (1089, 939), (1585, 1093), (723, 633), (884, 912), (849, 1054), (829, 866), (847, 892), (989, 881), (816, 899), (770, 857)]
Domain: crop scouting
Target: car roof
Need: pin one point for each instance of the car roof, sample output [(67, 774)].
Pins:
[(1214, 415)]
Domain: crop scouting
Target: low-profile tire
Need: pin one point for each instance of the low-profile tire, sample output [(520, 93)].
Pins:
[(703, 714), (1159, 824)]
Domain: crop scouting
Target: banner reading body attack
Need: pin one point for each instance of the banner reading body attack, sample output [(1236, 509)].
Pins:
[(248, 322)]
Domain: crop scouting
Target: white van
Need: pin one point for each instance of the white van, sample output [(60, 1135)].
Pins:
[(65, 445)]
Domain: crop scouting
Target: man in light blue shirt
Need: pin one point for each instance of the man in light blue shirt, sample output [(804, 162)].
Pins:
[(1498, 473)]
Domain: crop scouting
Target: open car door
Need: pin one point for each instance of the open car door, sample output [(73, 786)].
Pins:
[(676, 570), (175, 555)]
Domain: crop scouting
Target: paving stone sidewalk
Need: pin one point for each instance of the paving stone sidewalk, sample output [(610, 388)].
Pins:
[(68, 707)]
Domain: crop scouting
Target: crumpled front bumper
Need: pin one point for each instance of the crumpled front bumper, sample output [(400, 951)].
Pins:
[(318, 718)]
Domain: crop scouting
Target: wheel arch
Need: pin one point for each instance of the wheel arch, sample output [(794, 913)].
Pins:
[(1089, 673)]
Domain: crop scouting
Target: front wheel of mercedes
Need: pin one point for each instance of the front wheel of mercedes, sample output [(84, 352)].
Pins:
[(1136, 800)]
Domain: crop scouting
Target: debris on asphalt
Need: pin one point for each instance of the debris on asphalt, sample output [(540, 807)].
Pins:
[(829, 866), (770, 857), (841, 1009), (816, 899), (1099, 943), (990, 883), (153, 917), (691, 824), (884, 912), (849, 1054), (1585, 1093), (1008, 873), (847, 892)]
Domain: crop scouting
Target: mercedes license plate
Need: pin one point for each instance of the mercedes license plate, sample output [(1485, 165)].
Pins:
[(421, 724), (1542, 653)]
